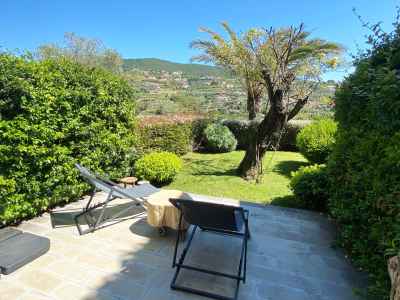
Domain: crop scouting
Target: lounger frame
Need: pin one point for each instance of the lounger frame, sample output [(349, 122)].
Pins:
[(113, 191), (242, 266)]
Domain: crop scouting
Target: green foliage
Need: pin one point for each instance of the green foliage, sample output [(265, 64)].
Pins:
[(87, 51), (315, 141), (364, 167), (198, 128), (171, 137), (219, 138), (158, 167), (310, 186), (54, 113), (293, 128)]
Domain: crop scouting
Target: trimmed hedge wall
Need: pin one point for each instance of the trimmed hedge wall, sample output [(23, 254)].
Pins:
[(364, 167), (176, 137), (52, 115), (288, 141)]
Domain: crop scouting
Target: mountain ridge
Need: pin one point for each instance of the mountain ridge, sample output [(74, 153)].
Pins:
[(156, 64)]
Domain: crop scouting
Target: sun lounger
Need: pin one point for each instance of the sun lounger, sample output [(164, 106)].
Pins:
[(216, 217), (95, 214)]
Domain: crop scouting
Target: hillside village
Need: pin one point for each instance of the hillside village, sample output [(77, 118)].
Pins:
[(164, 90)]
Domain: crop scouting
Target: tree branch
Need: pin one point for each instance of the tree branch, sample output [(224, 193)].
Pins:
[(298, 106)]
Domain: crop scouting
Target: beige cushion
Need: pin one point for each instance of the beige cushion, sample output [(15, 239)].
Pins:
[(161, 213)]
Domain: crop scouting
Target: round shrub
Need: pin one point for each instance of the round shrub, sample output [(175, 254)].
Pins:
[(310, 186), (315, 141), (219, 138), (158, 167)]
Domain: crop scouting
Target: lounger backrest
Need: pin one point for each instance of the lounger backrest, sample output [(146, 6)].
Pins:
[(93, 179), (106, 185), (211, 215)]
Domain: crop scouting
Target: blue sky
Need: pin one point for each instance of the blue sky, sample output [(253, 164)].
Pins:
[(164, 28)]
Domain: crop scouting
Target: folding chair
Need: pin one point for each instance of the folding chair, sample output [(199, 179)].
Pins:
[(213, 217), (113, 191)]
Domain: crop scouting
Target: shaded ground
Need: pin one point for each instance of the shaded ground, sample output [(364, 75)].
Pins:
[(290, 257), (215, 175)]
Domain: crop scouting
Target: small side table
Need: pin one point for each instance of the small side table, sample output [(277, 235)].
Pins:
[(128, 181), (162, 214)]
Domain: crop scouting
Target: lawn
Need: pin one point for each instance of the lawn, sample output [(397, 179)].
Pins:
[(215, 175)]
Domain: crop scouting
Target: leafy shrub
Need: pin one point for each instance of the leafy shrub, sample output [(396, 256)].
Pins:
[(54, 113), (219, 138), (310, 186), (198, 128), (177, 136), (364, 168), (170, 137), (240, 130), (158, 167), (315, 141), (288, 140)]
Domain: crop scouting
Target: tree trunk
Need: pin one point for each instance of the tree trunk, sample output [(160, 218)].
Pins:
[(263, 137), (251, 105), (394, 272)]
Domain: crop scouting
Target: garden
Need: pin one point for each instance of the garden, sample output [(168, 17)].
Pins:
[(56, 112)]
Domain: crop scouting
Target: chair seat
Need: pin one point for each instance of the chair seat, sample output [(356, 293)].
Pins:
[(18, 249)]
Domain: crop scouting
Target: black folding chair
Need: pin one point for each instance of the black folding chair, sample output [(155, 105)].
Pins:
[(213, 217), (99, 183)]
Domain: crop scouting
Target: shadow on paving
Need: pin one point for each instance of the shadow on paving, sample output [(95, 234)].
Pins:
[(290, 257)]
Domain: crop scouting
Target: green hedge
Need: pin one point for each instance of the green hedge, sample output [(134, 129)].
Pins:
[(365, 164), (310, 185), (240, 128), (315, 141), (53, 114), (170, 137), (175, 137)]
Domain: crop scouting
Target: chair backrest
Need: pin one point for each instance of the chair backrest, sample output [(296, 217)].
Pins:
[(105, 185), (210, 215), (95, 180)]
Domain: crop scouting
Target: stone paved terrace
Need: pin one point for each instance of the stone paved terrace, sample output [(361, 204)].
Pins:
[(290, 258)]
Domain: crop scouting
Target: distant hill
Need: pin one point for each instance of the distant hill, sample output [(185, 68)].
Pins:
[(155, 64)]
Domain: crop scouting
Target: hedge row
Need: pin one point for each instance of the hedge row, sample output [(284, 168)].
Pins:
[(178, 137), (364, 168), (53, 114), (288, 140)]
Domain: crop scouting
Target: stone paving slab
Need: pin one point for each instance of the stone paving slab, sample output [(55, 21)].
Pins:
[(290, 258)]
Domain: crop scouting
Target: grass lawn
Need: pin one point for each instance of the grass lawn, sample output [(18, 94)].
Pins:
[(215, 175)]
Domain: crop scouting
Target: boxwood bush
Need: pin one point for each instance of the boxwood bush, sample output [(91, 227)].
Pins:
[(219, 138), (158, 167), (54, 113), (364, 167), (310, 186), (315, 141)]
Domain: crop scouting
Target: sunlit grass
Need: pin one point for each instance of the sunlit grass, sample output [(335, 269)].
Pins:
[(215, 175)]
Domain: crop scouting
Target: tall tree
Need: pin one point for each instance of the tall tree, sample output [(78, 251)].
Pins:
[(288, 64), (84, 50), (234, 55)]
